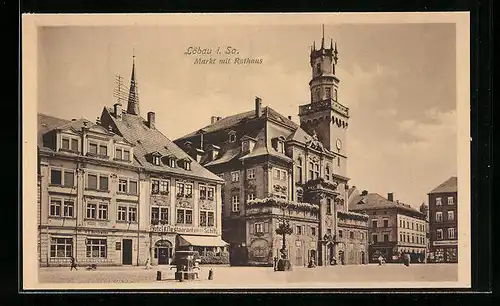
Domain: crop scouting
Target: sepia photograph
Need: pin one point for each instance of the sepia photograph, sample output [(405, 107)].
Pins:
[(246, 151)]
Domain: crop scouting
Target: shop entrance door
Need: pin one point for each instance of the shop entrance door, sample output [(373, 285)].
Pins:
[(127, 252), (164, 252)]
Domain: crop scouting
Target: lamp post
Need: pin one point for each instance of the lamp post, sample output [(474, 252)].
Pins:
[(283, 230)]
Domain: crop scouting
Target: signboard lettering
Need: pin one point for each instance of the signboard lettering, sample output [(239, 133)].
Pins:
[(446, 242), (184, 230)]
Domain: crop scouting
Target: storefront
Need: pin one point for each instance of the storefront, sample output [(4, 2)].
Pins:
[(445, 251)]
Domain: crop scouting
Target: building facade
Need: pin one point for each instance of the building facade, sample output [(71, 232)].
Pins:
[(443, 224), (118, 192), (278, 170), (395, 228)]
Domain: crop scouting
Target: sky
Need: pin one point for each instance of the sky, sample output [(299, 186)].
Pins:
[(398, 80)]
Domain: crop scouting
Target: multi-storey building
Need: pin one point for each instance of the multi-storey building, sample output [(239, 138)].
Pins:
[(443, 225), (118, 192), (268, 162), (395, 228)]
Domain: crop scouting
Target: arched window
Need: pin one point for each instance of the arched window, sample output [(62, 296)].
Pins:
[(311, 171), (327, 173), (328, 92), (298, 174), (318, 68), (316, 171)]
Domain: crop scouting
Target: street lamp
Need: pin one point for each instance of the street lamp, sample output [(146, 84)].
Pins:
[(284, 229)]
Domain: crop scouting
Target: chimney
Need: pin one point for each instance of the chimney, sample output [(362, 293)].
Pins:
[(213, 119), (117, 111), (151, 120), (219, 118), (98, 121), (258, 107), (390, 196), (289, 117)]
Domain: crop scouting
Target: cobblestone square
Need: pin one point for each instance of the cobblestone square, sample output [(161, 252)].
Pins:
[(239, 277)]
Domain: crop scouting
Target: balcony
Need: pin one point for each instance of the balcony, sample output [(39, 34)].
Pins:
[(282, 203), (323, 105), (320, 183)]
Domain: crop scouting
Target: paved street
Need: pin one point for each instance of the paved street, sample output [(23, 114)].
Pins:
[(256, 276)]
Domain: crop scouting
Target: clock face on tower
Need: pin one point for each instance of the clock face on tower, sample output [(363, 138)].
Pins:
[(339, 144)]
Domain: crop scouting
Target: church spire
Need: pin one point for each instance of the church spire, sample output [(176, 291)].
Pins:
[(133, 96)]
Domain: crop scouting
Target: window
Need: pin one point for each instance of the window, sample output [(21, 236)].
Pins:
[(329, 206), (103, 150), (172, 163), (206, 218), (189, 190), (122, 185), (351, 235), (313, 231), (277, 173), (64, 178), (61, 247), (299, 229), (328, 93), (374, 223), (341, 234), (236, 203), (61, 207), (103, 212), (451, 233), (184, 216), (400, 237), (250, 197), (122, 154), (335, 90), (439, 234), (439, 216), (316, 171), (235, 176), (159, 214), (412, 224), (97, 182), (96, 248), (250, 174), (386, 223), (450, 200), (259, 227), (221, 175), (132, 187), (211, 218), (451, 215), (203, 192), (187, 165), (155, 186), (132, 214), (156, 160), (70, 144), (281, 147), (211, 193), (122, 213), (232, 136), (374, 238), (438, 201), (93, 148), (311, 172), (299, 171), (412, 239), (180, 189), (327, 173), (91, 211)]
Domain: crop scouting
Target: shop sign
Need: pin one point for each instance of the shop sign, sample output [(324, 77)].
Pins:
[(184, 230), (445, 242), (94, 232)]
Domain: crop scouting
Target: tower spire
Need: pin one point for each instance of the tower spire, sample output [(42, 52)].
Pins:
[(133, 96), (322, 36)]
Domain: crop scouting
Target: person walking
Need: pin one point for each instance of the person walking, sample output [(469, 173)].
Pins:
[(148, 264), (73, 264)]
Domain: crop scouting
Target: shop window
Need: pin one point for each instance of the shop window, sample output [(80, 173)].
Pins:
[(61, 247), (96, 248)]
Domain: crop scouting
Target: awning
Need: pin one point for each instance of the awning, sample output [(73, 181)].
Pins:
[(207, 241)]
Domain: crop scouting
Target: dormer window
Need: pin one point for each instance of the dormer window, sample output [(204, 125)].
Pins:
[(70, 144), (172, 163), (245, 146), (185, 163), (122, 154), (232, 136), (279, 144), (156, 160)]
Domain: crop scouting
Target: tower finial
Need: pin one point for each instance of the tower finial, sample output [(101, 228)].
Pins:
[(331, 43)]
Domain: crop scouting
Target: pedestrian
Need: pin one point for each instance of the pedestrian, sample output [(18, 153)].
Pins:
[(275, 263), (148, 264), (406, 259), (380, 260), (73, 264)]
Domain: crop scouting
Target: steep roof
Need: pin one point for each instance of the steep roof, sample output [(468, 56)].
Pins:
[(376, 201), (46, 124), (146, 140), (234, 120), (450, 185)]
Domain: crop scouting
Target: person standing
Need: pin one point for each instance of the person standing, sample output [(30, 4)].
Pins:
[(73, 264)]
